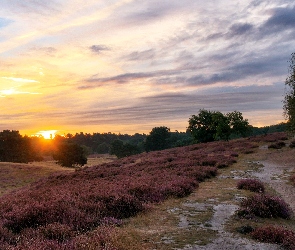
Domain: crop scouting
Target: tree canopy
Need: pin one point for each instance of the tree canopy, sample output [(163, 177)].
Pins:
[(16, 148), (158, 139), (70, 155), (119, 149), (213, 125), (289, 100)]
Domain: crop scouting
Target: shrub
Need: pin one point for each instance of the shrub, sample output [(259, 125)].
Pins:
[(56, 231), (265, 206), (245, 229), (292, 179), (277, 145), (252, 185), (292, 144), (277, 235)]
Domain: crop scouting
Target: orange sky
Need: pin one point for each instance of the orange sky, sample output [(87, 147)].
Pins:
[(126, 66)]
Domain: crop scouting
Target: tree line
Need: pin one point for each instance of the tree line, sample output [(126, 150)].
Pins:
[(72, 150)]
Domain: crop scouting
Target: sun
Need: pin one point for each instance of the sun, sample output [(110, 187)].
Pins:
[(47, 134)]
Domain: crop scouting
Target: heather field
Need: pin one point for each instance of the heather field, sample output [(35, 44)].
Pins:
[(94, 207)]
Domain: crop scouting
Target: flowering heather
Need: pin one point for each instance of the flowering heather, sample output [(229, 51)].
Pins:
[(276, 235), (265, 206), (252, 185), (280, 136), (277, 145), (78, 210)]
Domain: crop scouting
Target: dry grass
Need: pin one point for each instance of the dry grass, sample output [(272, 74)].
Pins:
[(16, 175)]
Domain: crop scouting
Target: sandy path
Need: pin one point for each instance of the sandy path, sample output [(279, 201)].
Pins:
[(274, 175)]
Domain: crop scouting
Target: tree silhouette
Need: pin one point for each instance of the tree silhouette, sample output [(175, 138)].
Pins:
[(289, 100)]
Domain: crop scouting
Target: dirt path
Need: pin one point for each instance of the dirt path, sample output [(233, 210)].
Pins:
[(276, 177)]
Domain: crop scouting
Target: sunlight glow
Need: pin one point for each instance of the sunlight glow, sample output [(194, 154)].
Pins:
[(20, 80), (7, 92), (46, 134)]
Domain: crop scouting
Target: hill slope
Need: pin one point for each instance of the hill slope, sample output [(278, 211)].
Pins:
[(82, 210)]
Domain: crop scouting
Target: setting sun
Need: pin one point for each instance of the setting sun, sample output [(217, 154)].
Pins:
[(47, 134)]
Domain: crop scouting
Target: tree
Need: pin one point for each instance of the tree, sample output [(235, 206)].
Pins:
[(289, 100), (210, 126), (119, 149), (158, 139), (15, 148), (238, 125), (202, 126), (70, 155)]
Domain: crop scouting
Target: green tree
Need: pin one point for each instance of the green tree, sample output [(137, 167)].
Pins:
[(220, 126), (289, 100), (201, 126), (15, 148), (158, 139), (103, 148), (210, 126), (119, 149), (70, 155), (239, 126)]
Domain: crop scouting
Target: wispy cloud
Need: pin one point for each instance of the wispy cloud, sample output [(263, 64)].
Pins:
[(21, 80), (98, 48)]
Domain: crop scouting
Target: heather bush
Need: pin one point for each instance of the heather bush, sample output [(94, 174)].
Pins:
[(252, 185), (57, 231), (276, 235), (273, 137), (277, 145), (265, 206)]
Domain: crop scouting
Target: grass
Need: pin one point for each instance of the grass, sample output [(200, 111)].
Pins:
[(16, 175)]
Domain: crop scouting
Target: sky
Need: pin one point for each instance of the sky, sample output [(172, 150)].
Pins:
[(127, 66)]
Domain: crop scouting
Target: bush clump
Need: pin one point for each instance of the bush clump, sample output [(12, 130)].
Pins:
[(277, 145), (265, 206), (276, 235), (252, 185), (292, 144)]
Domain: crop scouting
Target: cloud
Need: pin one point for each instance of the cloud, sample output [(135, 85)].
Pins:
[(167, 108), (31, 6), (21, 80), (240, 29), (125, 78), (281, 20), (98, 48), (9, 92), (141, 55)]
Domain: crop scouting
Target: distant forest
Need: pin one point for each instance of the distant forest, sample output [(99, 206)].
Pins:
[(101, 143), (17, 148)]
